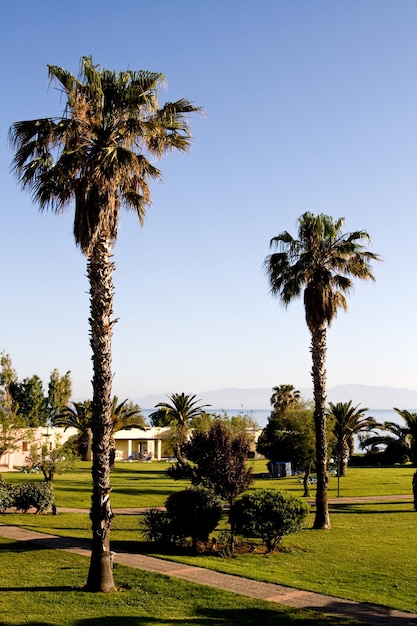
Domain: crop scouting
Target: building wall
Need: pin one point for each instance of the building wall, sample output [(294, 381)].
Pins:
[(28, 437)]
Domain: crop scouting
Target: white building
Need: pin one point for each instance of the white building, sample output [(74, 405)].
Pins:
[(131, 444)]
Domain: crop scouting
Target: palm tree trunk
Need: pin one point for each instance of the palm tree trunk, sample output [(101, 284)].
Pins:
[(100, 274), (318, 352)]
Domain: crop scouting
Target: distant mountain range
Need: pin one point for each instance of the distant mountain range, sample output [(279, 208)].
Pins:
[(368, 396)]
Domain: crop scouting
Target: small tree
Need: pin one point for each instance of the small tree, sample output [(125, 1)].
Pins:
[(11, 432), (290, 436), (269, 515), (28, 395), (51, 461), (218, 461)]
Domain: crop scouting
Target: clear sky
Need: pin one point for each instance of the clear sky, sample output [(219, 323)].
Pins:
[(310, 105)]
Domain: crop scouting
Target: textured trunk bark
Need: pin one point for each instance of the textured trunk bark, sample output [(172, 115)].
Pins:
[(345, 454), (318, 353), (100, 273)]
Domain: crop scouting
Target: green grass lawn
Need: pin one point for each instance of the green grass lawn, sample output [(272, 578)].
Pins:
[(146, 484), (369, 554)]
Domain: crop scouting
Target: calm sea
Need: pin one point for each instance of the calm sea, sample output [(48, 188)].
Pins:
[(261, 415)]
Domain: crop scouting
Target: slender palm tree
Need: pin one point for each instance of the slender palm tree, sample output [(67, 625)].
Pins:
[(78, 416), (348, 420), (100, 155), (178, 413), (319, 264), (284, 397), (401, 437)]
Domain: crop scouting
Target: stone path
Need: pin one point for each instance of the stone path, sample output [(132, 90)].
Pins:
[(366, 613)]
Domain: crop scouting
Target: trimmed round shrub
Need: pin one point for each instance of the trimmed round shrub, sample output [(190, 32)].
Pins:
[(194, 513), (37, 495), (269, 515)]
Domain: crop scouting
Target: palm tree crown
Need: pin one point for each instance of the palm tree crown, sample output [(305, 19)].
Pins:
[(283, 397), (95, 154), (180, 410), (126, 415), (321, 262), (178, 413), (78, 416), (403, 437)]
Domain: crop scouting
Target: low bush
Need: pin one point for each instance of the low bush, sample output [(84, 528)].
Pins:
[(269, 515), (194, 513), (7, 495), (37, 495)]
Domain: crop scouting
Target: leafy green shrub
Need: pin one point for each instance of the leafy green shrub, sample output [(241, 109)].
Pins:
[(7, 495), (157, 526), (194, 513), (269, 515), (37, 495)]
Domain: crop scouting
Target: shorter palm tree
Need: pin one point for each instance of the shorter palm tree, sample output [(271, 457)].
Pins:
[(78, 416), (348, 421), (284, 397), (123, 415), (401, 438), (177, 414)]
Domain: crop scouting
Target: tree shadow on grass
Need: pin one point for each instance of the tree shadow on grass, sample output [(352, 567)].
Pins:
[(361, 510), (224, 617)]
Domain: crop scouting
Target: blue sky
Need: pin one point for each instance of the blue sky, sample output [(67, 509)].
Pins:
[(310, 105)]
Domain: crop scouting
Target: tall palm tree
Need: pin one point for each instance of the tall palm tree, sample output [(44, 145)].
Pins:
[(348, 421), (402, 437), (178, 414), (283, 397), (100, 155), (319, 264), (78, 416)]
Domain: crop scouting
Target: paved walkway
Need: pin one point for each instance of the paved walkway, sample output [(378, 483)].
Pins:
[(364, 612)]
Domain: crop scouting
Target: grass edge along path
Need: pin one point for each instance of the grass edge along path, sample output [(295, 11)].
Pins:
[(303, 600)]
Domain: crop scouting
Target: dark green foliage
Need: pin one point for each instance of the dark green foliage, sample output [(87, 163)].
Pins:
[(290, 437), (400, 439), (37, 495), (269, 515), (194, 513), (218, 460), (28, 397), (7, 495), (157, 526)]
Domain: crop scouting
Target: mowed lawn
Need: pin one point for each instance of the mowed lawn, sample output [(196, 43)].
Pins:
[(369, 554)]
